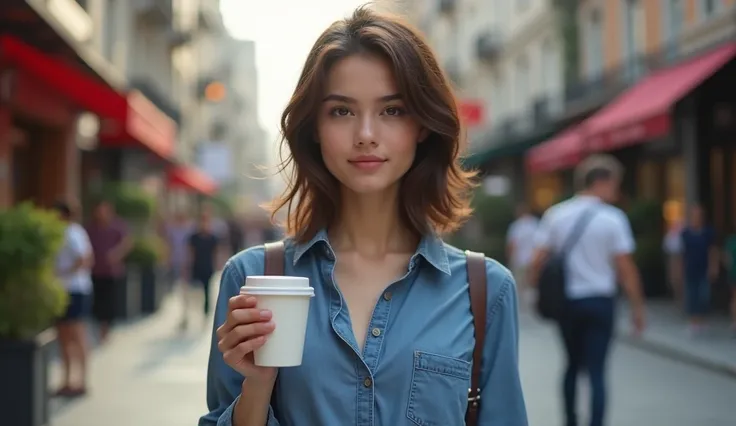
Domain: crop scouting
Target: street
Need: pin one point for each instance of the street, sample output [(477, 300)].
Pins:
[(150, 374)]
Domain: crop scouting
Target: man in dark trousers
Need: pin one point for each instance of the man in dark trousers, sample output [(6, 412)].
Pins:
[(204, 247), (111, 242)]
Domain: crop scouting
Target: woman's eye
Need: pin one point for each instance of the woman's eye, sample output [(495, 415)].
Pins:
[(393, 111), (340, 112)]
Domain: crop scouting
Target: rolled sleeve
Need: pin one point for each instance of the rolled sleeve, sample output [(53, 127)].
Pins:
[(224, 383), (502, 398), (226, 418)]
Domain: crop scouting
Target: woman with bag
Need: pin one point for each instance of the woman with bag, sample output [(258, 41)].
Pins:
[(402, 326)]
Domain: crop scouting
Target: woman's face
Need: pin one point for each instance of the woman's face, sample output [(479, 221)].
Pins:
[(367, 138)]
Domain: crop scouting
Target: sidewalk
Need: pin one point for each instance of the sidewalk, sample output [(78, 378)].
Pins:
[(149, 373), (666, 335)]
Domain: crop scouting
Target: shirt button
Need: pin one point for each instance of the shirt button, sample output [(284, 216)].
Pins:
[(376, 332), (367, 382), (387, 295)]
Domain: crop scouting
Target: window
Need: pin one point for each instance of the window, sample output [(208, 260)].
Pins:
[(675, 16), (522, 83), (674, 19), (708, 8), (635, 36), (547, 69), (594, 45)]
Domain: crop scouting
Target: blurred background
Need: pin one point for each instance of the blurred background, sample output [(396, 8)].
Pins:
[(168, 111)]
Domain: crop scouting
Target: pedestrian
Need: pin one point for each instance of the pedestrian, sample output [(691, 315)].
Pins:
[(700, 262), (111, 243), (672, 247), (598, 244), (204, 247), (520, 249), (375, 137), (177, 232), (73, 264)]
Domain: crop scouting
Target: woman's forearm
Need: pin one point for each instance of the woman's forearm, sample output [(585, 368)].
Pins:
[(252, 407)]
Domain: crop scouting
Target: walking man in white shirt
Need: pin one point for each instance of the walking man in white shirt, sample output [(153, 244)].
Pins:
[(73, 268), (520, 248), (601, 256)]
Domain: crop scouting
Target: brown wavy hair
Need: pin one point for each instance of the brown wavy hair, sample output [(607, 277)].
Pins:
[(435, 193)]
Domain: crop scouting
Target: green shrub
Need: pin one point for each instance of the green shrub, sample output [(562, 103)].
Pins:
[(646, 218), (494, 213), (30, 295), (131, 201), (146, 251)]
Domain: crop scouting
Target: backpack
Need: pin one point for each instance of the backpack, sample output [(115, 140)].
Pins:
[(551, 284), (476, 264)]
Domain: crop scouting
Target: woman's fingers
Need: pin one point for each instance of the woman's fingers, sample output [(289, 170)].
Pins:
[(244, 333), (234, 318), (236, 355)]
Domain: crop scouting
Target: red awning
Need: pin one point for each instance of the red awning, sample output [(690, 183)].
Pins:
[(561, 152), (140, 120), (124, 117), (191, 178), (643, 112)]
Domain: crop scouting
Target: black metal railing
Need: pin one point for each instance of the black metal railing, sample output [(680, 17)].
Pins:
[(488, 46), (614, 80), (447, 6)]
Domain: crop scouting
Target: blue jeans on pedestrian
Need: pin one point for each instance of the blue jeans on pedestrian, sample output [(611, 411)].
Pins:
[(587, 328), (697, 296)]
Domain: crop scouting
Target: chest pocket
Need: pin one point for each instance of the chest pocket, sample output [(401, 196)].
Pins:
[(439, 390)]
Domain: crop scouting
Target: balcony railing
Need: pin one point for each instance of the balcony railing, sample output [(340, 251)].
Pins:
[(156, 12), (488, 46), (447, 6), (601, 87)]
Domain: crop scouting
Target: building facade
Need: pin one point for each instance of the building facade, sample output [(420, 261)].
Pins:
[(505, 59), (104, 86), (652, 84)]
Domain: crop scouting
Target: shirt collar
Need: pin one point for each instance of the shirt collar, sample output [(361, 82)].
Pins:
[(431, 248)]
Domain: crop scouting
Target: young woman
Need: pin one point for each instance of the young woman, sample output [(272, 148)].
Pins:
[(374, 136), (73, 264)]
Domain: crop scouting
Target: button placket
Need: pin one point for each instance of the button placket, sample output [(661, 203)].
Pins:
[(378, 324)]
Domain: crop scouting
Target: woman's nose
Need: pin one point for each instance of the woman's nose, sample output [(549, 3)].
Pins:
[(366, 131)]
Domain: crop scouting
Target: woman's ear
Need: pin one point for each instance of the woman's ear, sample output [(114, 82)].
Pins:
[(423, 135)]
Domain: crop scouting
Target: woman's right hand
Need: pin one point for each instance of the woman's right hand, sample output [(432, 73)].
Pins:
[(246, 329)]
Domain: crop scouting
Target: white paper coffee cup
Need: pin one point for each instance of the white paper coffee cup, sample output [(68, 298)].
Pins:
[(288, 300)]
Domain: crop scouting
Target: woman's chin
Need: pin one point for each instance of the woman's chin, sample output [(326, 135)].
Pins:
[(370, 188)]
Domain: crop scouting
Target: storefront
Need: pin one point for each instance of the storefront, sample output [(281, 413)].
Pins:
[(655, 128), (549, 166), (40, 99)]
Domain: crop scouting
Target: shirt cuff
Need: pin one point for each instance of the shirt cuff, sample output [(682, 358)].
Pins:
[(226, 419)]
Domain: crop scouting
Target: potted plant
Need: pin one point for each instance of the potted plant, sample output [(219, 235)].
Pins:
[(144, 258), (30, 299)]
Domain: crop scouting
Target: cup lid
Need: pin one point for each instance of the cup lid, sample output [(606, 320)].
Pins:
[(277, 291)]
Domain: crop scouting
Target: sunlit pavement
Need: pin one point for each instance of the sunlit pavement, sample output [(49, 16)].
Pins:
[(151, 374)]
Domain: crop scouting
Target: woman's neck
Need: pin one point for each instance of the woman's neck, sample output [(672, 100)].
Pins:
[(371, 225)]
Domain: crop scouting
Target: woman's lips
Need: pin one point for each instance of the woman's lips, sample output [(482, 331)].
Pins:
[(367, 164)]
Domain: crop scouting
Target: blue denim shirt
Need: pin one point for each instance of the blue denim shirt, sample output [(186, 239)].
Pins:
[(416, 363)]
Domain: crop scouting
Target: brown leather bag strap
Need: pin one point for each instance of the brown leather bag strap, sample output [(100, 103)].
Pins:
[(477, 283), (274, 258), (273, 264)]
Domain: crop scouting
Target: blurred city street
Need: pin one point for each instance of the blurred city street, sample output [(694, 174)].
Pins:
[(151, 374), (139, 145)]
